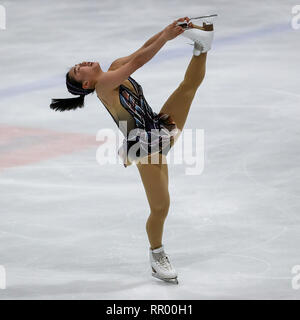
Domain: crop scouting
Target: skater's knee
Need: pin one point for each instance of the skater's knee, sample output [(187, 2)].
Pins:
[(160, 210)]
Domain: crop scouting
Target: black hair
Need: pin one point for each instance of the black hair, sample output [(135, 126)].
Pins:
[(74, 87)]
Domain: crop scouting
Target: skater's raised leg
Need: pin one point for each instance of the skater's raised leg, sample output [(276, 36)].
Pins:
[(179, 103)]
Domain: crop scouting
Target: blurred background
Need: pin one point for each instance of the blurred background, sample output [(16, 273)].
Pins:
[(72, 229)]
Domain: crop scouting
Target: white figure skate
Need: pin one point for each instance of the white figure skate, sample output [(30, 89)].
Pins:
[(161, 266), (201, 36)]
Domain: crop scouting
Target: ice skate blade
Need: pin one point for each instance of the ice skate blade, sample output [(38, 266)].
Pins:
[(205, 17), (170, 280)]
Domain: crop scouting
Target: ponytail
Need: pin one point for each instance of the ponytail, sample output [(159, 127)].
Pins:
[(67, 104), (75, 88)]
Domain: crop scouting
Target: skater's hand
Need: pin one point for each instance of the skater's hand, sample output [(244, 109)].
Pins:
[(172, 30), (185, 22)]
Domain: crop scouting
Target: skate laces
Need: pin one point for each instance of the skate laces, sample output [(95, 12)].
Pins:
[(198, 45), (162, 259)]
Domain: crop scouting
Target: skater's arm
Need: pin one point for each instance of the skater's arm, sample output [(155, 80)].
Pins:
[(113, 78), (121, 61), (151, 40)]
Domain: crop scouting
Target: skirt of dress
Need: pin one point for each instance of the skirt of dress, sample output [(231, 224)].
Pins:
[(141, 143)]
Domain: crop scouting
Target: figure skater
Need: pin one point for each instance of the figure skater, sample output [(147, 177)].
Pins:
[(123, 98)]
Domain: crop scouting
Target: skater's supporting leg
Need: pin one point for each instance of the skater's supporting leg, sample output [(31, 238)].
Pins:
[(178, 104), (155, 176), (155, 181)]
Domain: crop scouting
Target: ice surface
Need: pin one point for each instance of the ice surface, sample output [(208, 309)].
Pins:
[(71, 229)]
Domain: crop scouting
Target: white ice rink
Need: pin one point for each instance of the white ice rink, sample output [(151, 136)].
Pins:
[(72, 229)]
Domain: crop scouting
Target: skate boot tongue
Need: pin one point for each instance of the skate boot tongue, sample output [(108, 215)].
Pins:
[(158, 250)]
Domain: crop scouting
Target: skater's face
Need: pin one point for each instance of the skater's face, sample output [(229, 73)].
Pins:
[(85, 73)]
